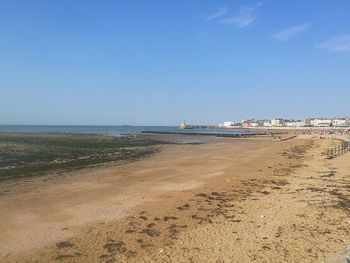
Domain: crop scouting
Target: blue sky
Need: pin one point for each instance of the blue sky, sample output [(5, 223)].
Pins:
[(160, 62)]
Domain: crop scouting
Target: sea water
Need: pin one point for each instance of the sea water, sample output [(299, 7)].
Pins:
[(111, 130)]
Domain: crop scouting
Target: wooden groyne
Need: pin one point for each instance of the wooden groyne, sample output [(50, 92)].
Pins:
[(288, 138), (218, 133), (339, 150), (198, 127)]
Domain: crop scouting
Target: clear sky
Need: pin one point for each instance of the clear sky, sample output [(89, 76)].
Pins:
[(160, 62)]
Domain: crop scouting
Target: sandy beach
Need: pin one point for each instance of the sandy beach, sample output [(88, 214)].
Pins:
[(226, 200), (174, 131)]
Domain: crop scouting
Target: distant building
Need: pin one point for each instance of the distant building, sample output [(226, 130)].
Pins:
[(321, 122), (277, 122), (267, 123), (294, 124), (264, 123), (227, 124), (309, 122), (339, 122), (248, 123), (245, 123), (254, 124)]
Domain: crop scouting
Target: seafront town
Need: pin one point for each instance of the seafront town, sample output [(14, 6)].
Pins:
[(341, 122)]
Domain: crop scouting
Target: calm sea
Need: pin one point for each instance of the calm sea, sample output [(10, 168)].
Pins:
[(111, 129)]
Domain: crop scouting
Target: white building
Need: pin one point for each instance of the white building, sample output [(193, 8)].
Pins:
[(227, 124), (264, 123), (295, 124), (339, 122), (321, 122), (267, 123), (277, 122), (247, 123)]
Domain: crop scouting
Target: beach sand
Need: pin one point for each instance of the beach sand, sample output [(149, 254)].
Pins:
[(228, 200)]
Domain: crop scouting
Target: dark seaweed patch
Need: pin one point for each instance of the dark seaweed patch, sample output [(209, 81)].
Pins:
[(64, 244)]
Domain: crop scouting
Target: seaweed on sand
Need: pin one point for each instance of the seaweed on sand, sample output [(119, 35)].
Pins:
[(24, 154)]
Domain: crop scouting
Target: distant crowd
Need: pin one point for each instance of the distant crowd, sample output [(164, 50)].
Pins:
[(324, 133)]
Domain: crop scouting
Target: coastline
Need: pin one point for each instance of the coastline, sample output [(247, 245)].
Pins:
[(186, 203)]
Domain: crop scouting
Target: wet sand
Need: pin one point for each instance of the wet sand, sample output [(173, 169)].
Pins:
[(228, 200)]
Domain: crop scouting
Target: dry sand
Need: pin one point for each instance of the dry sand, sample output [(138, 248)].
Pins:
[(230, 200)]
